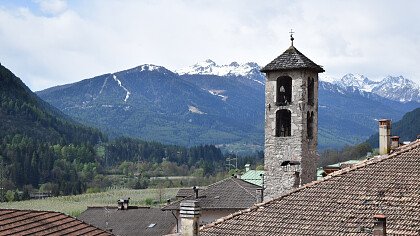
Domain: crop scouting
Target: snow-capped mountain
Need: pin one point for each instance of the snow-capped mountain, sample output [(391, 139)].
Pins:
[(394, 88), (398, 88), (209, 67), (358, 81), (222, 104)]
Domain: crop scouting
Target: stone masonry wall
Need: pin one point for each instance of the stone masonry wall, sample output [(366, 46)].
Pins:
[(297, 147)]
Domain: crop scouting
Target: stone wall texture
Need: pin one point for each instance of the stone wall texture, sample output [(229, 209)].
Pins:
[(297, 147)]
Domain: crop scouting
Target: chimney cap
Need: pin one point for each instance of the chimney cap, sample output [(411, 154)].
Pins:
[(379, 216)]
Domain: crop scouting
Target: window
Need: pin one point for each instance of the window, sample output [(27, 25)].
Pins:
[(310, 124), (311, 91), (284, 91), (283, 123)]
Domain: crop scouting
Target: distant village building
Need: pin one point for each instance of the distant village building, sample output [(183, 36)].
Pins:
[(291, 121), (125, 220), (219, 199), (253, 176)]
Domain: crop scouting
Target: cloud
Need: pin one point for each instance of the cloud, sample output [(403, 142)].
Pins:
[(52, 7), (75, 40)]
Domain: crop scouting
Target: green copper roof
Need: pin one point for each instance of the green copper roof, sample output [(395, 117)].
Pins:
[(253, 176)]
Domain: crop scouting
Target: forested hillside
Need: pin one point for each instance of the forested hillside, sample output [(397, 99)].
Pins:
[(39, 144), (42, 149), (407, 128)]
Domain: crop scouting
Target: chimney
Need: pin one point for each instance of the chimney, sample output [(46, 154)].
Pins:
[(120, 204), (379, 226), (123, 204), (190, 215), (247, 167), (195, 191), (395, 142), (260, 195), (384, 136)]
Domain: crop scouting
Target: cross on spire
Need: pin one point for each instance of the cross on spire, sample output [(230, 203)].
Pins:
[(291, 36)]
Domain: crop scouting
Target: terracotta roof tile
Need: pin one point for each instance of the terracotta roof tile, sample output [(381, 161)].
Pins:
[(29, 222), (343, 203)]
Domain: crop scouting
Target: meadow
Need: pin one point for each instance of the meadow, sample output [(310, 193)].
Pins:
[(75, 204)]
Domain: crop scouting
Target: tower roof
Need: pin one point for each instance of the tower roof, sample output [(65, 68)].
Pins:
[(292, 59)]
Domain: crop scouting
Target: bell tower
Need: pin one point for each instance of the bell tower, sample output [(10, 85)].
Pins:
[(291, 121)]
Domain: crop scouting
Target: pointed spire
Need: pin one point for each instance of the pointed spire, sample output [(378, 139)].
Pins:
[(291, 36)]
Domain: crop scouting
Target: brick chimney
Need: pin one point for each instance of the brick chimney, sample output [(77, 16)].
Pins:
[(379, 226), (395, 142), (190, 215), (384, 136)]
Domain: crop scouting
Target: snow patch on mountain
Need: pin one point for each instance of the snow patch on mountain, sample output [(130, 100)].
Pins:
[(195, 110), (327, 78), (127, 95), (355, 80), (218, 93), (398, 88), (149, 67), (103, 85), (209, 67)]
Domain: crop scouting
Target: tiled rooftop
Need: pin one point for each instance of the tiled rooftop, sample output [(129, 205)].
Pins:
[(343, 203), (292, 59), (184, 192), (28, 222), (230, 193), (131, 222)]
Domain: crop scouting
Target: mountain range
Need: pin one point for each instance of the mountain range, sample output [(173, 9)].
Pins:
[(223, 104), (395, 88)]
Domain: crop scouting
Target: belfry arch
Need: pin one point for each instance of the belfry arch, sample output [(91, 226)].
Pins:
[(283, 123), (284, 91)]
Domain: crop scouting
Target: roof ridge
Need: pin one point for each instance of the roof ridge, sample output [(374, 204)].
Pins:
[(254, 196), (372, 161)]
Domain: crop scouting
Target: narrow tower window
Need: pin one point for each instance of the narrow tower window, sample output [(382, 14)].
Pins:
[(311, 91), (310, 124), (283, 123), (284, 91)]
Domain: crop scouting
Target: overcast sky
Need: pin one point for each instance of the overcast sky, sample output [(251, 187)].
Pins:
[(54, 42)]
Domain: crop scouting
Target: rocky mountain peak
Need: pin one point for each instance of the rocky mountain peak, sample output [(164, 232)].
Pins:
[(209, 67)]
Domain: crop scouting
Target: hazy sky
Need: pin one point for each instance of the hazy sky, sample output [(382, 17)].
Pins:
[(54, 42)]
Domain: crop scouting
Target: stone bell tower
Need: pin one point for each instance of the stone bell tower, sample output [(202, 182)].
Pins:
[(291, 121)]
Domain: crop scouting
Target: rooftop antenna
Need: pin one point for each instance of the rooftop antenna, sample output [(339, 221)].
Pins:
[(291, 36)]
